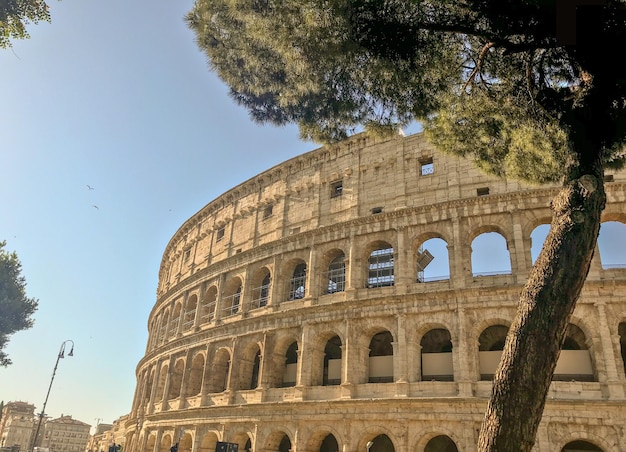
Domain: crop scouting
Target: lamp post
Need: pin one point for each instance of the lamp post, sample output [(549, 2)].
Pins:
[(54, 371)]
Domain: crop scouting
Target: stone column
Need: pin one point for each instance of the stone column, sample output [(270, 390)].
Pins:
[(459, 256), (219, 297), (312, 289), (461, 356), (403, 268), (400, 368), (521, 252)]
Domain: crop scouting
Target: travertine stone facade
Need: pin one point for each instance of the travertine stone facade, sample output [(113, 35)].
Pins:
[(294, 312), (65, 434), (16, 425)]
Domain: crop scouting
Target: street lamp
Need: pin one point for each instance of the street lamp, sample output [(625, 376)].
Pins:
[(54, 371)]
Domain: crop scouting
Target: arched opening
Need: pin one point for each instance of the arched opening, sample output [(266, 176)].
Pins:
[(249, 364), (173, 327), (185, 443), (432, 261), (166, 443), (256, 368), (580, 446), (381, 358), (329, 444), (232, 298), (291, 365), (164, 324), (381, 267), (441, 443), (297, 283), (574, 361), (332, 362), (490, 346), (537, 239), (335, 278), (194, 385), (161, 384), (248, 446), (190, 312), (382, 443), (219, 372), (208, 443), (490, 255), (176, 379), (285, 444), (436, 346), (209, 299), (261, 293), (612, 244)]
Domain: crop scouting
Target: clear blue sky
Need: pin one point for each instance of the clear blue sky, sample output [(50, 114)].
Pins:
[(114, 95)]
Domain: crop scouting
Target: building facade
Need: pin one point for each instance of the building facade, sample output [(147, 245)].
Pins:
[(65, 434), (16, 425), (337, 302)]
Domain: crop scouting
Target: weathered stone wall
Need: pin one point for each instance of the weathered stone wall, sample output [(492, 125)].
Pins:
[(240, 335)]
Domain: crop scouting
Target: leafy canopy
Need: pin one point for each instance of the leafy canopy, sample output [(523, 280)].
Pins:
[(16, 14), (15, 307), (498, 81)]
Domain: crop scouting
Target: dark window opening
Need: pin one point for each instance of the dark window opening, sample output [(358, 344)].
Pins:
[(267, 212), (220, 234), (482, 191), (336, 189), (427, 167)]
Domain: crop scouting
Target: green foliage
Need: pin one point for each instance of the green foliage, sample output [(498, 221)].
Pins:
[(15, 307), (16, 14), (491, 80)]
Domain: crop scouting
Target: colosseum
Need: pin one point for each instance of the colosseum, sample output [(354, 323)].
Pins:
[(356, 299)]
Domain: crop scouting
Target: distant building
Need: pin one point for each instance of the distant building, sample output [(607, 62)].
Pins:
[(108, 434), (65, 434), (16, 425)]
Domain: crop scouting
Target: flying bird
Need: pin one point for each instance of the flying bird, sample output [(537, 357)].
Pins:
[(96, 207), (89, 187)]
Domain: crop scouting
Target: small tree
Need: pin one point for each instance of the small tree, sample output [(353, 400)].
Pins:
[(16, 308), (524, 88), (16, 14)]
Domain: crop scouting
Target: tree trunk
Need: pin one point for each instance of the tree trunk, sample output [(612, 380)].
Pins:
[(546, 304)]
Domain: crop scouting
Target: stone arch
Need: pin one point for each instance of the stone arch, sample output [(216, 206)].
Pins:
[(231, 301), (612, 242), (320, 356), (489, 242), (333, 277), (161, 383), (165, 320), (209, 300), (575, 361), (441, 443), (296, 271), (580, 445), (220, 369), (186, 442), (249, 366), (381, 442), (151, 441), (176, 379), (436, 354), (148, 386), (243, 439), (190, 312), (196, 371), (537, 238), (490, 346), (176, 313), (166, 443), (322, 440), (621, 331), (261, 283), (380, 264), (432, 260), (208, 442), (279, 359), (278, 441), (583, 438), (381, 356)]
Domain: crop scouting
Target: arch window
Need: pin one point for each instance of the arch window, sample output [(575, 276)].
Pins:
[(194, 385), (490, 255), (381, 267), (612, 244), (285, 444), (381, 358), (537, 239), (574, 361), (249, 365), (208, 305), (190, 312), (432, 261), (173, 326), (436, 348), (161, 384), (261, 294), (441, 443), (490, 346), (336, 275), (382, 443), (332, 362), (232, 300), (176, 379), (297, 284), (220, 371), (291, 365), (256, 370), (164, 324), (329, 444)]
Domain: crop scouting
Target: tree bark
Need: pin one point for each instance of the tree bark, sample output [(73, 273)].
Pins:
[(545, 306)]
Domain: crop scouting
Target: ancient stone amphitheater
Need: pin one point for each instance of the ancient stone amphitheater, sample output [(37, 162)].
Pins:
[(345, 300)]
